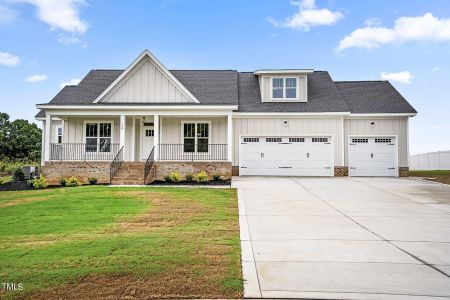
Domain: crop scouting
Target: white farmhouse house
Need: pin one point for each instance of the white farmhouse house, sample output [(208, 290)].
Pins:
[(135, 125)]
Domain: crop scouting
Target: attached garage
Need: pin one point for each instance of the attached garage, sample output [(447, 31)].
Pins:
[(372, 156), (286, 156)]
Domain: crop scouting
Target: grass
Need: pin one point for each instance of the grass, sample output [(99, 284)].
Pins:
[(100, 242), (442, 176)]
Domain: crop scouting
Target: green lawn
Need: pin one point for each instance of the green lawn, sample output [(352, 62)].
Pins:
[(91, 242), (442, 176)]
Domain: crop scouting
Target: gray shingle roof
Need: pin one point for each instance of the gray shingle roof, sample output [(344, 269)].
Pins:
[(373, 97), (323, 96), (229, 87)]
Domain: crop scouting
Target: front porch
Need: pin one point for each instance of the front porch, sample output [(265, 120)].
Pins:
[(156, 144)]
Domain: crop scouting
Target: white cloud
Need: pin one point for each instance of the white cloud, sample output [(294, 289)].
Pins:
[(67, 40), (8, 59), (60, 14), (7, 15), (372, 22), (403, 77), (308, 16), (73, 81), (406, 29), (36, 78), (435, 69)]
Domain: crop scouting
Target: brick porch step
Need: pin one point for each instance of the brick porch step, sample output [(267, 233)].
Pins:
[(129, 173)]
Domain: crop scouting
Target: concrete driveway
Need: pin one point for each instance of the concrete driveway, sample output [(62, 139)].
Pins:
[(344, 238)]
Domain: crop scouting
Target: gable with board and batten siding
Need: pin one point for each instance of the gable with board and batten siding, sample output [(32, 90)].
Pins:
[(146, 80)]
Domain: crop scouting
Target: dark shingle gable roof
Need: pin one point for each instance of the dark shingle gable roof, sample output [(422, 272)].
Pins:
[(373, 97), (209, 87), (323, 96), (229, 87)]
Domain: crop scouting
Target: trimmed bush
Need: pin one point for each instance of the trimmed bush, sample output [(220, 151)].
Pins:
[(201, 176), (40, 183), (189, 177), (216, 177), (92, 180), (175, 176), (73, 181), (17, 174), (1, 181), (30, 182), (167, 178), (63, 182)]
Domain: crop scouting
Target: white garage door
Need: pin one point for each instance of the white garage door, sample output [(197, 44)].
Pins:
[(286, 156), (372, 156)]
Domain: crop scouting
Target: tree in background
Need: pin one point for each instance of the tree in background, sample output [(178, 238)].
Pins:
[(19, 140)]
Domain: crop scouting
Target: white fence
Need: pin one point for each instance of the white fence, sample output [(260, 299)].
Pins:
[(430, 161)]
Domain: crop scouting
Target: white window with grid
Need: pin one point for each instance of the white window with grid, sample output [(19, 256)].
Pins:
[(284, 88)]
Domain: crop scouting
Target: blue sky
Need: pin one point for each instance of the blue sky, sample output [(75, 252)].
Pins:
[(44, 43)]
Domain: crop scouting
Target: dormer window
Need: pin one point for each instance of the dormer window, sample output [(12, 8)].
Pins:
[(284, 88)]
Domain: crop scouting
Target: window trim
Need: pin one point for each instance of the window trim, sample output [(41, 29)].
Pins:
[(57, 135), (98, 136), (195, 138), (284, 99)]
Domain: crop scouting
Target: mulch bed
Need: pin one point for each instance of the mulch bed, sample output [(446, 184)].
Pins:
[(189, 183), (15, 186)]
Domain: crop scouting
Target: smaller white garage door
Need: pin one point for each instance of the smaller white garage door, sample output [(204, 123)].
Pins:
[(286, 156), (372, 156)]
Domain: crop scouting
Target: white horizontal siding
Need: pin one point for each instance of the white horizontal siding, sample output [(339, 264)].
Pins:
[(391, 126), (295, 126)]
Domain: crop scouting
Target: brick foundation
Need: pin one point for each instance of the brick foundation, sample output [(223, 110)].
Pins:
[(340, 171), (235, 170), (163, 168), (403, 171), (54, 171)]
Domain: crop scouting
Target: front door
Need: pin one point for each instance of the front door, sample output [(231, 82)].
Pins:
[(148, 133)]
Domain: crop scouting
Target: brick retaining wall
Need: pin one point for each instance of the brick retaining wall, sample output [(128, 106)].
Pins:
[(54, 171)]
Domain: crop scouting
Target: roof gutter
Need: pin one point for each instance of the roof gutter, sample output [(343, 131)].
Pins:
[(135, 107), (383, 115), (283, 71)]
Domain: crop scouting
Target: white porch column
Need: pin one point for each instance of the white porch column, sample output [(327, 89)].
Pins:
[(133, 140), (230, 137), (122, 128), (156, 136), (47, 136), (43, 144)]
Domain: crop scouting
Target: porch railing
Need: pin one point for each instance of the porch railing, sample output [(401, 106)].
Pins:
[(83, 151), (115, 164), (149, 164), (193, 152)]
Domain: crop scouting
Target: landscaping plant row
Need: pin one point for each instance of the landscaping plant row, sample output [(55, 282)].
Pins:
[(202, 178)]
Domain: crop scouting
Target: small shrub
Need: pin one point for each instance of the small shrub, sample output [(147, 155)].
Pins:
[(167, 178), (216, 177), (18, 175), (92, 180), (175, 176), (201, 176), (189, 177), (40, 183), (30, 182), (73, 181), (63, 182), (1, 182)]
